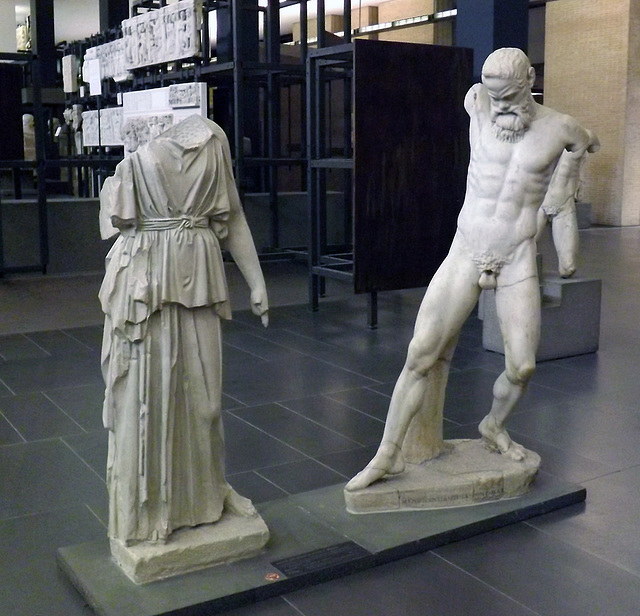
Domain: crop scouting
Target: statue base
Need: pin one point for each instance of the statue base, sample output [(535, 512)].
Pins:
[(466, 473), (233, 537)]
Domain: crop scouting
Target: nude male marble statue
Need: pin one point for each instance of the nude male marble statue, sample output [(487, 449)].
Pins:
[(174, 205), (515, 146)]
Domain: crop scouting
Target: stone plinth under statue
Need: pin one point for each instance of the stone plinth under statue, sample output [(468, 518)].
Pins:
[(570, 318), (231, 538), (444, 473), (466, 473)]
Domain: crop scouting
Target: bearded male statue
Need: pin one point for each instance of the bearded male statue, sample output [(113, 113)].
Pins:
[(515, 147)]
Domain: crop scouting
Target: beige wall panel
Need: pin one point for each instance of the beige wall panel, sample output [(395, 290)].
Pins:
[(393, 10), (631, 187), (586, 75), (365, 16), (418, 34), (401, 9), (332, 23)]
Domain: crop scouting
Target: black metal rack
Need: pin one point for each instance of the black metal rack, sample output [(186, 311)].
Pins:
[(404, 157), (324, 66), (245, 81)]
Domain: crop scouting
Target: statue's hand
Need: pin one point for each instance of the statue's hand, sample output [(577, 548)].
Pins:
[(260, 304), (566, 270)]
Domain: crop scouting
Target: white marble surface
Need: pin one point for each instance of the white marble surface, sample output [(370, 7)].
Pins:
[(233, 537), (466, 473), (173, 205), (515, 146)]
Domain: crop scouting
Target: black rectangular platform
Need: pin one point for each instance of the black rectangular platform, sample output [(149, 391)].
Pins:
[(313, 539)]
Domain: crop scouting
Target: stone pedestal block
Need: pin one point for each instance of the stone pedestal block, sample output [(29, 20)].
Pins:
[(583, 214), (570, 318), (466, 473), (231, 538)]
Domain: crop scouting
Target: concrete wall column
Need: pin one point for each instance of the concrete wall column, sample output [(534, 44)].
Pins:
[(592, 72), (486, 25)]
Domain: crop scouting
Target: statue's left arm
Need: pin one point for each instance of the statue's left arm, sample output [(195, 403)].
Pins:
[(559, 203), (239, 243)]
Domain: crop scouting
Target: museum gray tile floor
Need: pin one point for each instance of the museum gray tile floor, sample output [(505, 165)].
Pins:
[(304, 406)]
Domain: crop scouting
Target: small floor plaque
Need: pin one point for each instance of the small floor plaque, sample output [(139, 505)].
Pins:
[(321, 559)]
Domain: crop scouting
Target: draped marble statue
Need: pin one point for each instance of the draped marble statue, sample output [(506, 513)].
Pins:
[(515, 146), (174, 204)]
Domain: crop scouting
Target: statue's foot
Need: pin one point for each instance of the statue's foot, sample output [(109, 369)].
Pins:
[(387, 461), (239, 505), (498, 439)]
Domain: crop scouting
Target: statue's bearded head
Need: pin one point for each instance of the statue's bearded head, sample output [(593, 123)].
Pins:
[(508, 77)]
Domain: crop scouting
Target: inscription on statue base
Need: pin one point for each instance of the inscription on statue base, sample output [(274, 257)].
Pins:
[(467, 473)]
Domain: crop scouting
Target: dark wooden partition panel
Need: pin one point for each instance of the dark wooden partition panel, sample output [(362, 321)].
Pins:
[(411, 157)]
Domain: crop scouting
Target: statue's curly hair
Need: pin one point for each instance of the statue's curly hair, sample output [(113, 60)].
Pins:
[(508, 63)]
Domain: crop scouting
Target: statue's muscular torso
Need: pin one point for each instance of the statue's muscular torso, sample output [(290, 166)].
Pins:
[(507, 182)]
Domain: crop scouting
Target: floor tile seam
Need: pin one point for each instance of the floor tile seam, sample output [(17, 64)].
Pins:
[(275, 438), (75, 453), (485, 583), (337, 391), (24, 440), (96, 516), (613, 472), (521, 409), (285, 598), (317, 423), (565, 364), (386, 347), (352, 408), (238, 348), (333, 470), (37, 441), (347, 406), (559, 539), (46, 331), (2, 382), (457, 424), (599, 461), (26, 338), (259, 429), (316, 460), (280, 345), (44, 512), (333, 347), (339, 367), (517, 433), (65, 331), (316, 358), (65, 387), (271, 482), (297, 335), (224, 393), (56, 405), (379, 392), (492, 372), (558, 389)]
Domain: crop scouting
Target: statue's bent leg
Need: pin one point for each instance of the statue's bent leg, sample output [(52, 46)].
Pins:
[(449, 300), (518, 308)]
